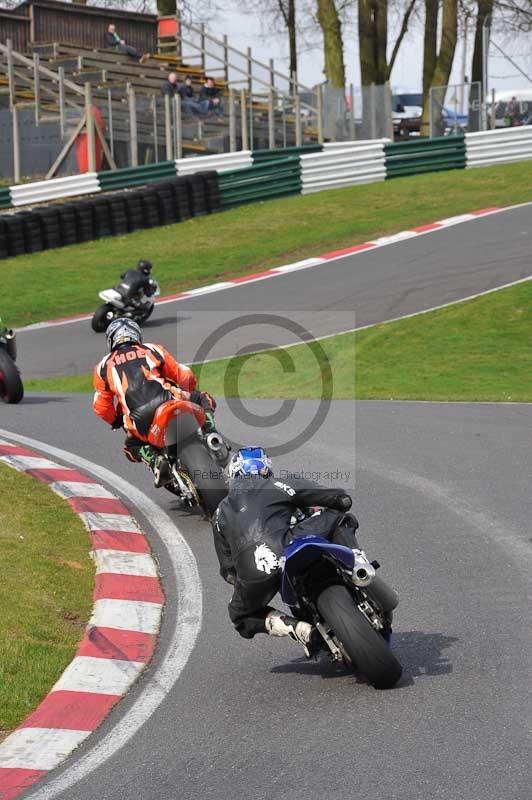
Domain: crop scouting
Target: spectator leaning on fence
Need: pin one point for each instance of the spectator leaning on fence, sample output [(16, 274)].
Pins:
[(210, 99), (112, 39)]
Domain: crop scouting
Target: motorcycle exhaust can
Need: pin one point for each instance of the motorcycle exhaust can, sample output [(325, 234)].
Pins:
[(11, 344), (363, 570), (218, 446)]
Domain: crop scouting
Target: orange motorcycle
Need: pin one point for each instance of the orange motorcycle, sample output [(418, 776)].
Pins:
[(197, 453)]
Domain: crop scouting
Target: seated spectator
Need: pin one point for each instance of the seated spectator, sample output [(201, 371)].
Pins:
[(210, 99), (186, 90), (170, 87), (186, 93), (112, 39)]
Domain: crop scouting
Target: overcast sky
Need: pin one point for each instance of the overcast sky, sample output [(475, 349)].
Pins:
[(245, 29)]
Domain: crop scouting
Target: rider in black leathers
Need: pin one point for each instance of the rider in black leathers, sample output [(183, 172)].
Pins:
[(251, 527), (137, 282)]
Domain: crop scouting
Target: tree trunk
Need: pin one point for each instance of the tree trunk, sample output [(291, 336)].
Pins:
[(166, 8), (292, 36), (444, 64), (366, 43), (484, 10), (381, 40), (430, 44), (331, 27)]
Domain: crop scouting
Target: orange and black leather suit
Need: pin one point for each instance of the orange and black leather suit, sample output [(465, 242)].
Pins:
[(132, 382)]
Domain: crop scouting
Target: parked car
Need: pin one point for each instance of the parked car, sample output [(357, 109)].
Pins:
[(407, 108)]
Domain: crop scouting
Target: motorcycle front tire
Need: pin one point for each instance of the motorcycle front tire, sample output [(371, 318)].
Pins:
[(206, 473), (11, 388), (100, 320), (365, 647)]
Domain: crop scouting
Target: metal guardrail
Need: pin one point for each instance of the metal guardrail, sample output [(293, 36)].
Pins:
[(260, 156), (354, 163), (5, 197), (499, 146), (221, 163), (75, 185), (425, 155), (261, 182), (136, 176)]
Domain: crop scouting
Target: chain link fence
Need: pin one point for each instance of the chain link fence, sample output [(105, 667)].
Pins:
[(456, 108)]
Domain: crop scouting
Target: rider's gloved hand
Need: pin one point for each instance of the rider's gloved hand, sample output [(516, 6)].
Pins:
[(203, 399), (118, 422)]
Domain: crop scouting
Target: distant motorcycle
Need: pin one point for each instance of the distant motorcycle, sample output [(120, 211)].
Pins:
[(11, 388), (336, 590), (121, 302)]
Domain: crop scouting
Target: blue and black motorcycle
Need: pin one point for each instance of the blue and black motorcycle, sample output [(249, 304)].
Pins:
[(336, 589)]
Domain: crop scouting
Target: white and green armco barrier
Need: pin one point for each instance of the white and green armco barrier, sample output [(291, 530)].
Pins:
[(249, 176)]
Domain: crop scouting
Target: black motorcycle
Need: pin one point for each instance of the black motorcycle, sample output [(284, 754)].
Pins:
[(11, 388), (121, 302)]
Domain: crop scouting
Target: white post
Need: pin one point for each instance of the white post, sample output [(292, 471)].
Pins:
[(232, 122), (133, 139), (16, 145), (178, 127), (37, 86), (271, 121), (91, 138), (297, 109), (243, 120), (168, 129), (61, 92)]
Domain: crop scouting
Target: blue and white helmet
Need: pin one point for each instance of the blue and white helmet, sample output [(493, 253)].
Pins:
[(122, 330), (250, 461)]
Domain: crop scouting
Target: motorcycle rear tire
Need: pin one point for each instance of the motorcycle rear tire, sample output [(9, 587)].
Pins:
[(366, 649), (206, 473), (99, 320), (11, 388)]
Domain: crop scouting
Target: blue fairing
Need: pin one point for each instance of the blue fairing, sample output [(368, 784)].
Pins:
[(302, 552)]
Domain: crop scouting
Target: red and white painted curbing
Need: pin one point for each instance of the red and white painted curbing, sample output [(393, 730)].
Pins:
[(119, 639), (307, 263)]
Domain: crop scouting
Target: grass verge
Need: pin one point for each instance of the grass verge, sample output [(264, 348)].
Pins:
[(45, 592), (193, 253), (477, 350)]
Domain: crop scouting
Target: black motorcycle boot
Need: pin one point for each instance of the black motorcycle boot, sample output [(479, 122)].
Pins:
[(159, 465)]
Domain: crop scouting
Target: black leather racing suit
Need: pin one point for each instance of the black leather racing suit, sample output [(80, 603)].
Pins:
[(251, 528), (135, 283)]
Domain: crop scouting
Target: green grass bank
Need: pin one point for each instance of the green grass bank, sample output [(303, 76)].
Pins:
[(476, 350), (45, 592), (190, 254)]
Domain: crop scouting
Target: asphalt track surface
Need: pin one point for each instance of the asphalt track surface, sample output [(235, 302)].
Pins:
[(369, 287), (442, 492)]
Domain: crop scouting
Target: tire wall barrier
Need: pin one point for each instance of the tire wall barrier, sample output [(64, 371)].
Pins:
[(499, 146), (334, 167), (425, 155), (114, 214), (263, 181)]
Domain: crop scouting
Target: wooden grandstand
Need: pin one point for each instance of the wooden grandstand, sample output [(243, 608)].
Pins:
[(49, 54)]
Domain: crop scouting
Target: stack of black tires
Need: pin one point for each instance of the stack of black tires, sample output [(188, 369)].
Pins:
[(115, 214)]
